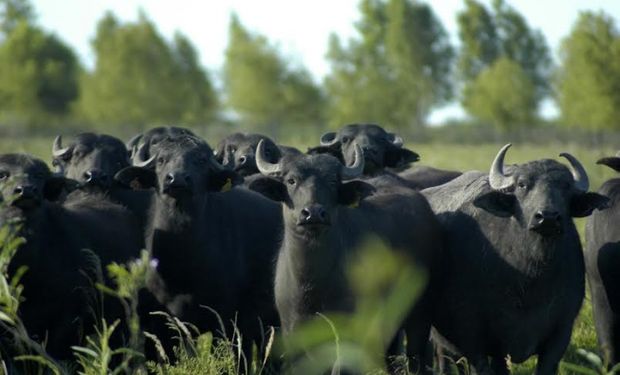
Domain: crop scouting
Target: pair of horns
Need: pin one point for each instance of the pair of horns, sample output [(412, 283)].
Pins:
[(499, 181), (346, 172)]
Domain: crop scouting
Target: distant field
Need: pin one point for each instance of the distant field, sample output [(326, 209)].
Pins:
[(458, 157)]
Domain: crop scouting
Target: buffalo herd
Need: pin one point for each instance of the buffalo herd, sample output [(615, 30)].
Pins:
[(253, 234)]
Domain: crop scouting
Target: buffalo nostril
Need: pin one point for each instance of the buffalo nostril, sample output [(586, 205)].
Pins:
[(88, 176), (538, 216), (169, 178), (243, 159), (19, 190), (305, 213)]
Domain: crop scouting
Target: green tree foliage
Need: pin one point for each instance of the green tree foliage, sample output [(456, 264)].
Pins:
[(12, 12), (38, 76), (589, 76), (397, 69), (503, 95), (141, 79), (488, 36), (262, 88)]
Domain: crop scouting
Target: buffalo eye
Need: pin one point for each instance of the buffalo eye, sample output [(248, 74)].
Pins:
[(291, 181), (4, 175), (521, 185), (345, 139), (55, 162), (160, 160)]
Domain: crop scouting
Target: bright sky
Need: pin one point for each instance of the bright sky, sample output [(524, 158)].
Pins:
[(300, 28)]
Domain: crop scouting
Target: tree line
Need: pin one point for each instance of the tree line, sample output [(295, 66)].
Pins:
[(399, 66)]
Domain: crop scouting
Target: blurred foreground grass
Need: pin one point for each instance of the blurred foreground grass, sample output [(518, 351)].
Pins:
[(456, 157)]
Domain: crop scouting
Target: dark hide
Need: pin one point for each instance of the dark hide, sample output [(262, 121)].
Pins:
[(216, 245), (510, 286), (237, 151), (62, 250), (326, 221), (602, 256)]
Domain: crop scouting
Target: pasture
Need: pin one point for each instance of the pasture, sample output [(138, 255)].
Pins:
[(454, 157)]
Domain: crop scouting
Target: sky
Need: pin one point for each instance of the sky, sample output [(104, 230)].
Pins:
[(300, 28)]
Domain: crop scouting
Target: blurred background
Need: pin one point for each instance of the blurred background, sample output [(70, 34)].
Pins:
[(465, 71)]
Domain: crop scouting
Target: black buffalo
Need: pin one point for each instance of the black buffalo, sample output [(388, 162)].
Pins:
[(92, 160), (326, 220), (150, 138), (61, 251), (602, 263), (384, 155), (513, 271), (215, 245), (238, 152)]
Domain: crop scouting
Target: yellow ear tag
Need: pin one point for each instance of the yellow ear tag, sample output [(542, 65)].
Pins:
[(227, 186), (356, 202)]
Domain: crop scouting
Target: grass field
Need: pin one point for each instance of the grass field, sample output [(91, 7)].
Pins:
[(458, 157)]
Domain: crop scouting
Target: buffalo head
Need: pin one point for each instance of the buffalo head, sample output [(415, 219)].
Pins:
[(311, 186), (183, 166), (238, 152), (90, 159), (26, 181), (542, 195), (381, 149), (147, 140)]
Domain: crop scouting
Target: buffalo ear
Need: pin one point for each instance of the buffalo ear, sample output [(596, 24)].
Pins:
[(223, 181), (612, 162), (56, 185), (584, 204), (497, 203), (397, 157), (136, 178), (352, 192), (270, 187)]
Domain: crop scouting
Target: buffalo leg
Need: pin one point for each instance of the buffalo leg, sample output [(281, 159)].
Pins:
[(554, 349)]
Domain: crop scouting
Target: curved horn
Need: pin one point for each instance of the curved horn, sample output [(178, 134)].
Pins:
[(329, 139), (579, 173), (57, 150), (140, 155), (348, 173), (145, 163), (395, 139), (262, 164), (497, 179)]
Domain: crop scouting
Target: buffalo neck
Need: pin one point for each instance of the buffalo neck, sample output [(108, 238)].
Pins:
[(310, 255)]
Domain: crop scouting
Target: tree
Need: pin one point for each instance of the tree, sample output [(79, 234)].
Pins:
[(38, 76), (395, 71), (588, 80), (488, 36), (141, 79), (12, 12), (502, 95), (262, 88)]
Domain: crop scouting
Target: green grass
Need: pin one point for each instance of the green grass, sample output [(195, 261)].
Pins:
[(458, 157)]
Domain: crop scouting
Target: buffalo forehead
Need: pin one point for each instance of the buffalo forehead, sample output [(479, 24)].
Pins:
[(546, 169)]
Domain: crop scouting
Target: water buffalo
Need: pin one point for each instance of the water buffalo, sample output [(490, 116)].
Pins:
[(384, 155), (238, 151), (92, 160), (513, 268), (216, 245), (602, 262), (60, 252), (150, 138), (326, 220)]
